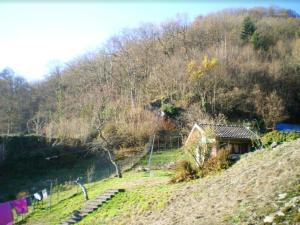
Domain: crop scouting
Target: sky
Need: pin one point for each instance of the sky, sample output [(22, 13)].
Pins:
[(35, 36)]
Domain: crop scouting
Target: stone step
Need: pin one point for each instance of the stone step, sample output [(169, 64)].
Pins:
[(120, 190), (75, 211), (91, 206), (117, 190), (98, 200), (71, 221), (104, 198), (86, 210), (76, 217), (112, 191), (83, 214), (107, 194), (94, 203)]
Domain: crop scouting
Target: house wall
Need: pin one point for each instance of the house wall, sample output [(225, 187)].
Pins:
[(194, 134), (237, 147), (214, 150), (198, 135)]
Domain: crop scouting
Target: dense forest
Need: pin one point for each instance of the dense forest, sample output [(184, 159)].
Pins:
[(234, 65)]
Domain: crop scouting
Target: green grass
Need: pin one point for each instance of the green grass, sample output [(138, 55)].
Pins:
[(132, 202), (164, 157), (143, 192)]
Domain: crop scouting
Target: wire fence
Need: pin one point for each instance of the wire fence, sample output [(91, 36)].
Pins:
[(166, 143), (63, 188)]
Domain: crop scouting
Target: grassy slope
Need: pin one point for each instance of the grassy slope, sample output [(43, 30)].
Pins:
[(143, 193)]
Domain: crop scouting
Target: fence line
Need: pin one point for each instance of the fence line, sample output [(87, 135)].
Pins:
[(62, 188), (168, 143)]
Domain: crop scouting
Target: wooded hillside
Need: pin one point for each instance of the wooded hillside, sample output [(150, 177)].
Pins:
[(235, 64)]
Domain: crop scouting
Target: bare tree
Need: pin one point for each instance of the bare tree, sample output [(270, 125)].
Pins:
[(102, 143)]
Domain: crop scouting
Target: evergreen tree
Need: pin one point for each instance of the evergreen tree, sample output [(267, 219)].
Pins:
[(248, 29)]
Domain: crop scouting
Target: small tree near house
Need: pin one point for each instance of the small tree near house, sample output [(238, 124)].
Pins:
[(199, 148)]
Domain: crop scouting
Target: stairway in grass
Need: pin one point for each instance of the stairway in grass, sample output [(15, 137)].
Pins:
[(90, 206)]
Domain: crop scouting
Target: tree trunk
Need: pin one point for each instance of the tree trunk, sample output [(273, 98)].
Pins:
[(112, 160), (111, 156)]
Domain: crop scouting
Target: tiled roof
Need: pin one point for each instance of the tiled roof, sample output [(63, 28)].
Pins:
[(230, 131)]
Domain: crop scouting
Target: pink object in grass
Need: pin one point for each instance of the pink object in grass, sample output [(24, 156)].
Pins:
[(20, 205)]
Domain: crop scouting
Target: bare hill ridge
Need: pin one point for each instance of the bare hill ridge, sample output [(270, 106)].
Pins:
[(245, 190)]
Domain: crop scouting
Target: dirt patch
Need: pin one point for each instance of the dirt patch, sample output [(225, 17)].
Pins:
[(243, 190)]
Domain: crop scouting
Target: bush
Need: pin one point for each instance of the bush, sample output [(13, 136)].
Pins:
[(278, 137), (124, 153), (215, 164), (184, 172), (131, 129), (169, 109), (261, 41)]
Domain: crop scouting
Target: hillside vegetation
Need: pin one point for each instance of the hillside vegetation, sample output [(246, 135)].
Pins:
[(235, 64)]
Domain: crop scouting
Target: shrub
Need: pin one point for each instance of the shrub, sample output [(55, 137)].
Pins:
[(290, 136), (279, 137), (261, 41), (124, 153), (68, 128), (169, 109), (184, 172), (135, 127), (215, 164), (93, 133)]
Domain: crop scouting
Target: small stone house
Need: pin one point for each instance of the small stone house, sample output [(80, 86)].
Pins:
[(238, 139)]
